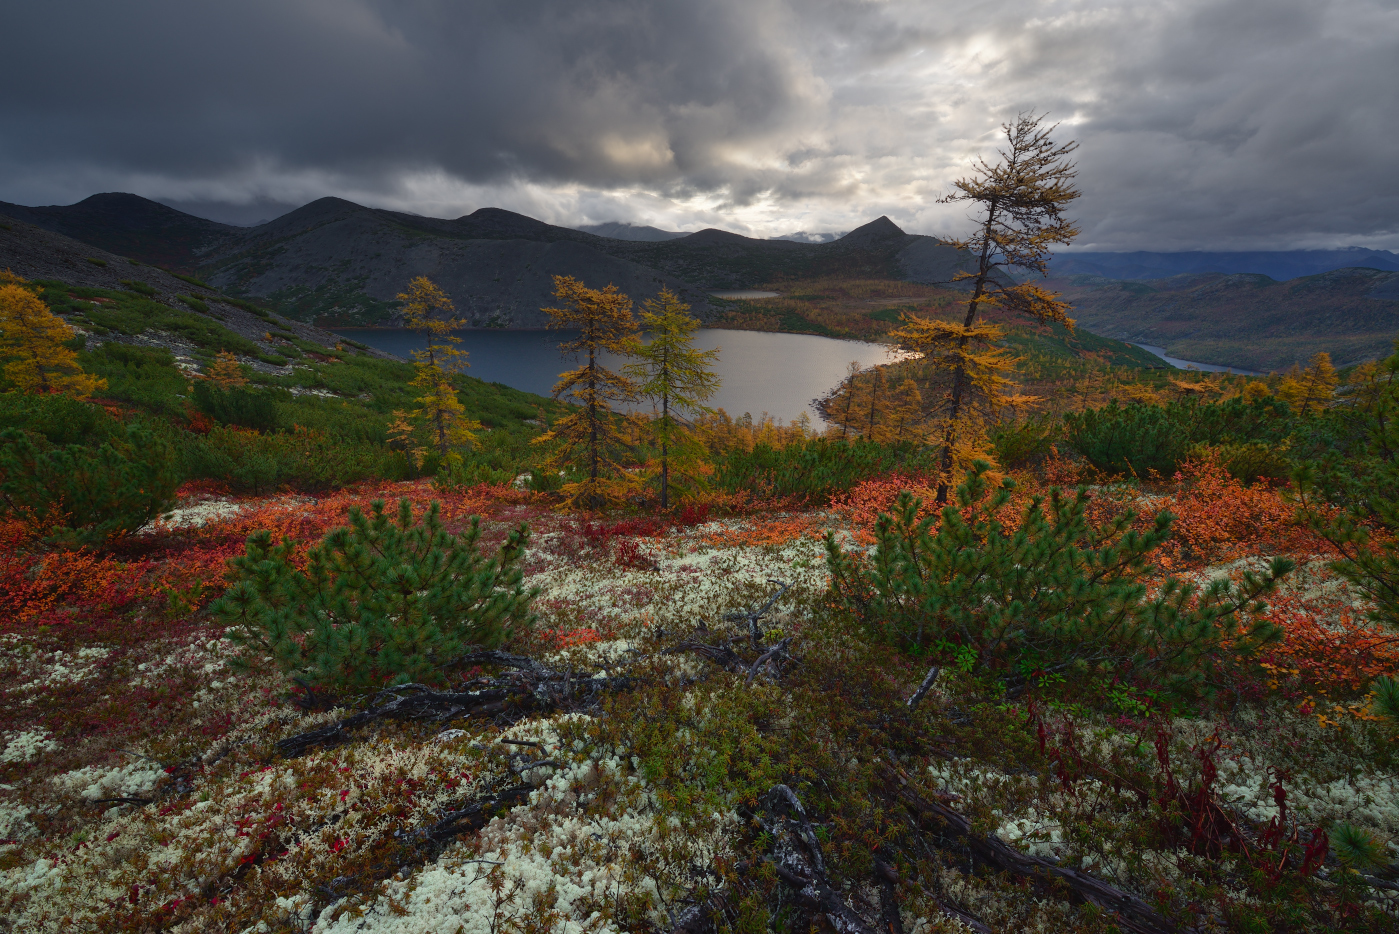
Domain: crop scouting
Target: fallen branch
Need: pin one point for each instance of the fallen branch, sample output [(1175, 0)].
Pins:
[(888, 878), (474, 816), (531, 686), (1135, 915), (925, 687), (796, 856), (725, 656)]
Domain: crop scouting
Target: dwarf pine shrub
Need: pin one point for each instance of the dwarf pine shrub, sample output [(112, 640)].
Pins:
[(1054, 596), (86, 495), (381, 601)]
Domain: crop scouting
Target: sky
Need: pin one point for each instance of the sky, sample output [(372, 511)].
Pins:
[(1202, 124)]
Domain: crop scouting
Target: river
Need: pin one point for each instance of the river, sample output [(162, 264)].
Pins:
[(780, 374), (1192, 365)]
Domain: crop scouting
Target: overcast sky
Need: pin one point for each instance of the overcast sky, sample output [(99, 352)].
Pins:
[(1203, 124)]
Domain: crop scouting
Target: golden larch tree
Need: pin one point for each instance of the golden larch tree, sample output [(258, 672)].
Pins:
[(428, 310), (1019, 202), (968, 386), (680, 379), (227, 372), (32, 344), (1312, 389), (588, 438)]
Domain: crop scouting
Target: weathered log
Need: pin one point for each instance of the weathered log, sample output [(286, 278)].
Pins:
[(796, 856), (888, 878), (473, 816), (530, 686), (1134, 914)]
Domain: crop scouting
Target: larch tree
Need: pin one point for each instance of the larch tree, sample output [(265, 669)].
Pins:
[(227, 372), (428, 310), (32, 344), (1312, 389), (671, 372), (968, 386), (1019, 203), (588, 439)]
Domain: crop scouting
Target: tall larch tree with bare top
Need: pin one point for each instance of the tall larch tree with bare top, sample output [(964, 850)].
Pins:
[(1019, 202)]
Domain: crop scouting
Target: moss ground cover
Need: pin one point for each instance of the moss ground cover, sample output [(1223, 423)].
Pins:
[(141, 789)]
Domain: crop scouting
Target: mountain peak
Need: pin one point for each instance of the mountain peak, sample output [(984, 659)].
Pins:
[(877, 230)]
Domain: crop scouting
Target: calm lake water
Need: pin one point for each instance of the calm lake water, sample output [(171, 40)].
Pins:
[(762, 372)]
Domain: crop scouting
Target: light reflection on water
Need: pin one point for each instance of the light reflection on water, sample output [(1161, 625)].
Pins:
[(780, 374)]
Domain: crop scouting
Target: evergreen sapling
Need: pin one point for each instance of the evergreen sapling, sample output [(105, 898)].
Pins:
[(382, 601)]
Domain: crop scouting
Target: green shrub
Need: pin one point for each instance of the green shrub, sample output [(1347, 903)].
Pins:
[(193, 281), (1020, 443), (81, 495), (1251, 461), (1054, 597), (145, 376), (457, 472), (197, 304), (379, 602), (816, 469), (1140, 439), (96, 262), (305, 460), (60, 420), (248, 408), (544, 481), (140, 288)]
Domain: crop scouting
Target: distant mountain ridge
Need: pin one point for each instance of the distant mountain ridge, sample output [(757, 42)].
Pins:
[(621, 230), (338, 261), (1279, 265), (1245, 319)]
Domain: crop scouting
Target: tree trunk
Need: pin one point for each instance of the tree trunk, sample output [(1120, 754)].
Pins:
[(665, 452), (592, 417), (959, 376)]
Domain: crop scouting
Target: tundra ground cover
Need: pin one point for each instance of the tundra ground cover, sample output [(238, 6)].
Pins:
[(143, 790)]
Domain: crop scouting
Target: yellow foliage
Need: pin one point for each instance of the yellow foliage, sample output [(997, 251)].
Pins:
[(31, 341), (439, 410), (588, 439), (227, 372), (1311, 389)]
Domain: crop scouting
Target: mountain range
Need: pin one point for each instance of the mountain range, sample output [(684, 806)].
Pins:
[(337, 263), (341, 263)]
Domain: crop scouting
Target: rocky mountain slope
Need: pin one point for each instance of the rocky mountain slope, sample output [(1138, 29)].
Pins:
[(36, 253), (343, 263), (1244, 320)]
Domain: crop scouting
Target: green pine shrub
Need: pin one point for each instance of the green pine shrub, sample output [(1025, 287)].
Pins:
[(83, 495), (248, 408), (379, 602), (140, 288), (198, 304), (457, 472), (144, 376), (249, 462), (1054, 597), (1018, 443), (1140, 439), (817, 469), (58, 419)]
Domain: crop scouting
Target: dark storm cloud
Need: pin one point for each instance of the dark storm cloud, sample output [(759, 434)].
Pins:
[(1203, 123)]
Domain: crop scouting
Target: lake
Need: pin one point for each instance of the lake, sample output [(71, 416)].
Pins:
[(780, 374)]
